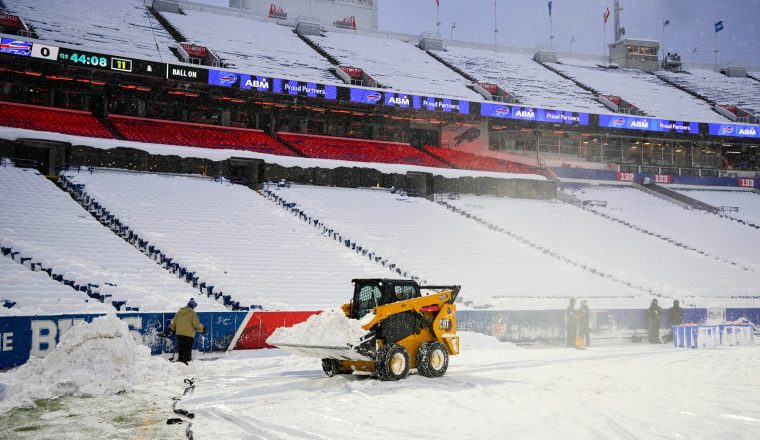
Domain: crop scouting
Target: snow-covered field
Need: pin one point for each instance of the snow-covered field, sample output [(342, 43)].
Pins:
[(491, 390)]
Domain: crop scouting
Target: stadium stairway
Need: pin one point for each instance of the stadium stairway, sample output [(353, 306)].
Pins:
[(675, 197), (548, 251), (333, 234), (589, 207), (78, 193)]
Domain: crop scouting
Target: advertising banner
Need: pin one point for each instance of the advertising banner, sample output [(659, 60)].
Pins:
[(310, 89), (403, 100), (734, 130), (533, 114), (648, 124)]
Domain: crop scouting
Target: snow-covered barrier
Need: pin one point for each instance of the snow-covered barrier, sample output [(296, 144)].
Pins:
[(22, 337), (711, 336)]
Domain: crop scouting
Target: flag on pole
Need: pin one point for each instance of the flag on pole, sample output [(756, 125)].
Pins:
[(718, 26), (550, 9), (438, 2), (666, 22), (606, 15)]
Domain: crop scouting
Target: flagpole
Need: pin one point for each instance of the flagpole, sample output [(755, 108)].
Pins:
[(551, 32), (438, 17), (716, 51), (495, 26)]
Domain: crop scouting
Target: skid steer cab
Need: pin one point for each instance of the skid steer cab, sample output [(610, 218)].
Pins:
[(407, 330)]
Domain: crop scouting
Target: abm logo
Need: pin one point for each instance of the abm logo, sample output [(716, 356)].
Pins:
[(399, 101), (617, 122), (750, 131), (726, 130)]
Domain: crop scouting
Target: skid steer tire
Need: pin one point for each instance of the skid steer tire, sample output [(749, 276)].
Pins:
[(331, 367), (392, 362), (432, 359)]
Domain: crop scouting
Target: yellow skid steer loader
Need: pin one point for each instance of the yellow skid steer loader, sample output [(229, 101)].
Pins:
[(406, 330)]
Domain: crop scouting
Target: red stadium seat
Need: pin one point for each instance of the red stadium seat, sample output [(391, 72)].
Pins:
[(359, 150), (159, 131), (32, 117), (470, 161)]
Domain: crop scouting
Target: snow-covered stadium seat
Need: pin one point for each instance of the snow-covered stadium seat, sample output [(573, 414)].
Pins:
[(57, 120), (114, 26), (747, 202), (254, 46), (44, 224), (721, 89), (24, 292), (233, 238), (196, 135), (649, 93), (359, 150), (471, 161), (396, 64), (442, 247), (616, 249), (531, 83)]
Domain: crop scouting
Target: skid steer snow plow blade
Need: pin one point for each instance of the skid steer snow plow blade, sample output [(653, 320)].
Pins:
[(361, 352)]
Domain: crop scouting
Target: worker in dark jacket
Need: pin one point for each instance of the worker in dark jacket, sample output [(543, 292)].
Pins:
[(583, 323), (675, 317), (184, 324), (571, 321), (653, 322)]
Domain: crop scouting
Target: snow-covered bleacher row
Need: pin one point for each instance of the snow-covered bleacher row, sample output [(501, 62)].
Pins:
[(122, 26), (647, 92), (443, 248), (27, 292), (233, 239), (739, 204), (254, 46), (718, 88), (396, 64), (713, 235), (40, 225), (622, 252), (526, 80)]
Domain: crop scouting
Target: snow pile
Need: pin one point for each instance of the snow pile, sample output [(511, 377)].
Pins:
[(96, 359), (329, 328)]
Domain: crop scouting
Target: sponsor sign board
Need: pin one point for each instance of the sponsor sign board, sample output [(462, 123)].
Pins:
[(648, 124), (403, 100), (310, 89), (533, 114), (734, 130)]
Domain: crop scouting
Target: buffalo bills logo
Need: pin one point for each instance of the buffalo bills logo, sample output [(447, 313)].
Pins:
[(617, 122), (228, 79), (724, 131), (502, 111), (373, 97), (15, 47)]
